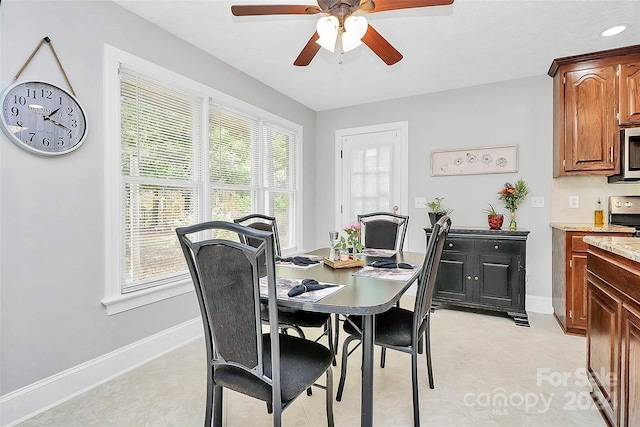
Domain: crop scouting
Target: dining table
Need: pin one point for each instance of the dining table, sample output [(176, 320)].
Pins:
[(361, 295)]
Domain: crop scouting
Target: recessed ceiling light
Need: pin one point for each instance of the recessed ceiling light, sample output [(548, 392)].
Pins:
[(613, 30)]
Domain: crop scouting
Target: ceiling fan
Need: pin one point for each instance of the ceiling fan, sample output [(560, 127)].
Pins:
[(353, 29)]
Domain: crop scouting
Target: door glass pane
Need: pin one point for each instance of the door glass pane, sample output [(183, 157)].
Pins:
[(371, 180)]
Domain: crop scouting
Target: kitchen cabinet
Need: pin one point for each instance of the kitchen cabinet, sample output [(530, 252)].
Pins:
[(630, 93), (593, 95), (569, 276), (484, 269), (613, 336)]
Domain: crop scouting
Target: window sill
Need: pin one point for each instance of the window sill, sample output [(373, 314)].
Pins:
[(124, 302)]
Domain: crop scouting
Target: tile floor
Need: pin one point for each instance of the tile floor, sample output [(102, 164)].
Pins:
[(488, 372)]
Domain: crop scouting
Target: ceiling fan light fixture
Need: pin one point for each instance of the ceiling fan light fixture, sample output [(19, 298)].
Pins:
[(349, 42), (327, 28), (355, 27)]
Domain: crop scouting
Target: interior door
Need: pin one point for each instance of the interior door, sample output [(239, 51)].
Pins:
[(372, 172)]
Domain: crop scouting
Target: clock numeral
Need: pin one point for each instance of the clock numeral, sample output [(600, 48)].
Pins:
[(60, 141), (46, 142), (31, 93), (69, 111), (15, 111), (69, 134), (46, 93), (60, 100), (19, 123), (19, 100), (73, 123), (32, 135)]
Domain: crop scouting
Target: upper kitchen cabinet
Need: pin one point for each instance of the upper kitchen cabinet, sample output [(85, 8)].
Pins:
[(630, 93), (593, 95)]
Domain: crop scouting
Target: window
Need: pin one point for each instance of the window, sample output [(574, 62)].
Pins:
[(182, 154)]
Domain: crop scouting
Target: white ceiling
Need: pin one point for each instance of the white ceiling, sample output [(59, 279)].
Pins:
[(468, 43)]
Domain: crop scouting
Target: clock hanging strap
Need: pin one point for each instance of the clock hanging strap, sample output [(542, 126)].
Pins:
[(48, 41)]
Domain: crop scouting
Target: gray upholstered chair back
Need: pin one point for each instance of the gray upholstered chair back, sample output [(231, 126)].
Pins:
[(226, 277), (264, 223), (383, 230)]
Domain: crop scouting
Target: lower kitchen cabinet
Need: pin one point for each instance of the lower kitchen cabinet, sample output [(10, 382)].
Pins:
[(569, 276), (484, 269), (613, 336)]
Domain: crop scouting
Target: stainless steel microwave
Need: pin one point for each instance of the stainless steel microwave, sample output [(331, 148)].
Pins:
[(629, 156)]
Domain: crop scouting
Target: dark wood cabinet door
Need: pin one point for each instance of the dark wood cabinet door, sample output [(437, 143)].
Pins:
[(630, 390), (590, 119), (497, 282), (629, 100), (603, 352), (578, 301), (452, 282)]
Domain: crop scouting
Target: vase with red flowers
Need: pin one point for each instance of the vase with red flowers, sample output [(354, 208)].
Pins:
[(513, 195)]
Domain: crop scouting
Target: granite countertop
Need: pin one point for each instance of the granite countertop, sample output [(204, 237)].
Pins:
[(589, 227), (628, 247)]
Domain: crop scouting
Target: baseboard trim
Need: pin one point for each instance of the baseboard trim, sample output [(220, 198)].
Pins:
[(538, 304), (35, 398)]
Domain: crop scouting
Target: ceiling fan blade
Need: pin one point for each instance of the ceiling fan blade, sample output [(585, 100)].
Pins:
[(308, 52), (382, 5), (381, 47), (273, 9)]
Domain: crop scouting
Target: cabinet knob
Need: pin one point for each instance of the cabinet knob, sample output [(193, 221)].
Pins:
[(496, 247), (468, 277), (450, 245), (475, 278)]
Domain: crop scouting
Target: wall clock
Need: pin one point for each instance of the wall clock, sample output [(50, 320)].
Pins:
[(43, 118)]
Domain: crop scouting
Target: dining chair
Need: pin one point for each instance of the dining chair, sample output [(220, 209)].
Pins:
[(401, 329), (264, 223), (288, 318), (383, 230), (379, 230), (271, 367)]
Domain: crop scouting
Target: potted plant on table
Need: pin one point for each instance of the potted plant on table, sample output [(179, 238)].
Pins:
[(494, 217), (436, 210), (352, 242)]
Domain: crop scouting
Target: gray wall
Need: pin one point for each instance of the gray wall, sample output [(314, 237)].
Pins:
[(511, 112), (52, 229), (52, 209)]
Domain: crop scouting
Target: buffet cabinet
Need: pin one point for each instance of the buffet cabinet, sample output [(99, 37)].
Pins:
[(569, 277), (484, 269), (613, 336), (593, 96)]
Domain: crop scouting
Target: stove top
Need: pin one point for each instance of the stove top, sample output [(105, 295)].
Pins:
[(625, 210)]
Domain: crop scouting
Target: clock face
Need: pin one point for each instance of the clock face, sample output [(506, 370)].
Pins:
[(43, 118)]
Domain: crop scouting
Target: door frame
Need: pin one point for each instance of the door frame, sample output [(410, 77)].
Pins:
[(403, 128)]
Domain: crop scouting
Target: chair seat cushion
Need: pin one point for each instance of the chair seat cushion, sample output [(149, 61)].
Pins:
[(305, 319), (302, 362), (393, 327)]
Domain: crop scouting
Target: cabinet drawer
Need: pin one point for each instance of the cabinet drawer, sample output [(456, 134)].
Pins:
[(498, 246), (458, 245)]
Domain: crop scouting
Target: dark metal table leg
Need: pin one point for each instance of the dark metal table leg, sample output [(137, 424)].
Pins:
[(366, 409)]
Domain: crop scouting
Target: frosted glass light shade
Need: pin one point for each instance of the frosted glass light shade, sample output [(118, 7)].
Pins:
[(355, 27), (349, 42), (327, 28)]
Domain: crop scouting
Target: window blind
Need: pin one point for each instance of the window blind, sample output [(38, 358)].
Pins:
[(280, 176), (160, 163)]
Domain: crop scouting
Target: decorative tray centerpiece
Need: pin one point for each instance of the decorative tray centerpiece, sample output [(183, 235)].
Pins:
[(350, 263)]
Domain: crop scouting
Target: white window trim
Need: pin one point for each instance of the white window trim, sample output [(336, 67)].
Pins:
[(115, 301)]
